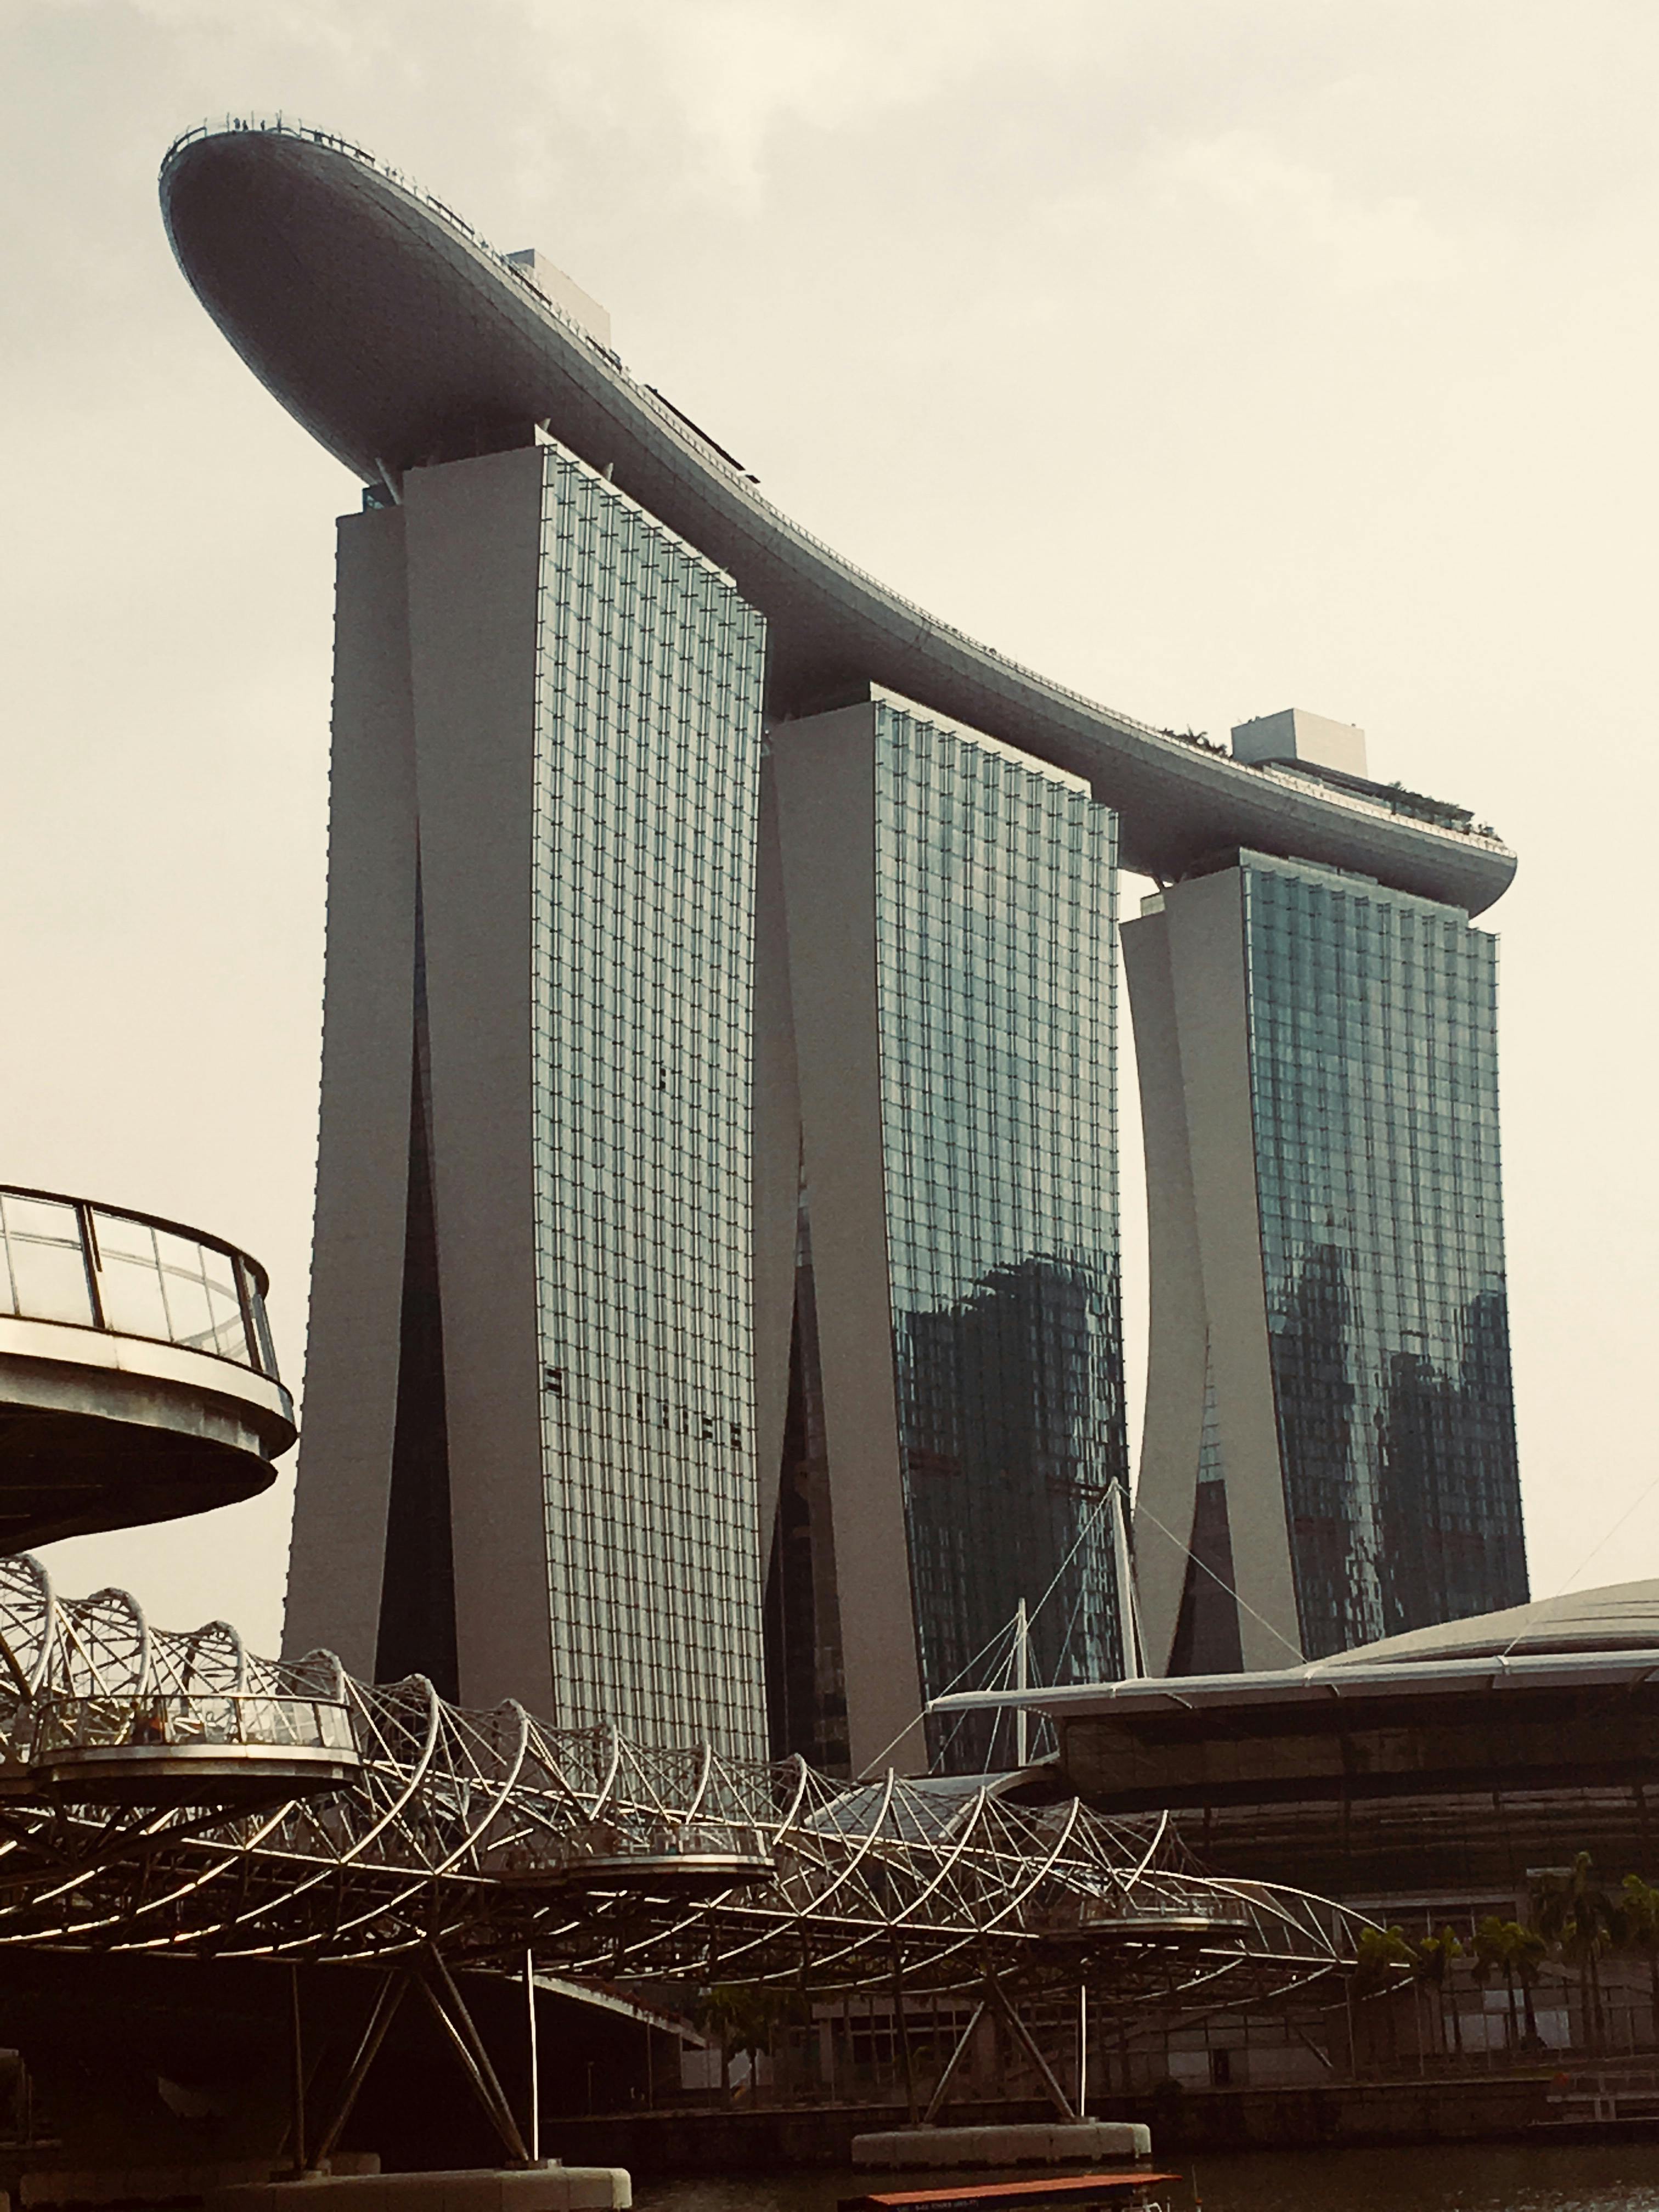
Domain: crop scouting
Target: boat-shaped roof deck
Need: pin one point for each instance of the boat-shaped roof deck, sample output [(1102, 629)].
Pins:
[(396, 336)]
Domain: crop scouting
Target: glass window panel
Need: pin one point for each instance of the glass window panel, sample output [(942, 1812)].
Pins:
[(189, 1314), (50, 1220), (49, 1280), (118, 1232), (131, 1288), (48, 1274)]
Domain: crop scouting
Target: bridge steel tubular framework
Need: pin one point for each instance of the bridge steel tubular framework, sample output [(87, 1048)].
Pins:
[(471, 1839)]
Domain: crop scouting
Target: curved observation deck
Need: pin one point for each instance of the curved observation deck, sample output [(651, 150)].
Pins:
[(97, 1708), (137, 1378), (398, 336), (224, 1747), (662, 1857)]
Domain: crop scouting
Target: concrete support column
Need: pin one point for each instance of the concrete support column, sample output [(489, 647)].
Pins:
[(825, 772), (338, 1547), (475, 536), (1187, 995)]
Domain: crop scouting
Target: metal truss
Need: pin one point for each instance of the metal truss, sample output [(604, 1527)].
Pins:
[(475, 1838)]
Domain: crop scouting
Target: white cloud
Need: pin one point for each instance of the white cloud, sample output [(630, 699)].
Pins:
[(1288, 207), (736, 73)]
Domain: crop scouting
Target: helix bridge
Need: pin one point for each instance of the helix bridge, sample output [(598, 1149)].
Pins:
[(166, 1792)]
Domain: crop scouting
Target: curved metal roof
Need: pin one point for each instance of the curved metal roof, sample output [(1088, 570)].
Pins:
[(1620, 1617), (388, 328), (1585, 1639)]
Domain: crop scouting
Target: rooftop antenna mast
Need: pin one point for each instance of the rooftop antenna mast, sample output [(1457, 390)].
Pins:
[(1021, 1680), (1128, 1612)]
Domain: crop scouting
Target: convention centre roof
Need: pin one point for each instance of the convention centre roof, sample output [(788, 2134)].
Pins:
[(1589, 1637)]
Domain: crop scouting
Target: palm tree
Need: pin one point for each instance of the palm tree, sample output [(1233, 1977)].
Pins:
[(1382, 1955), (1505, 1947), (1433, 1968), (1526, 1948), (1550, 1900), (1572, 1912), (743, 2017), (1638, 1916), (1494, 1954)]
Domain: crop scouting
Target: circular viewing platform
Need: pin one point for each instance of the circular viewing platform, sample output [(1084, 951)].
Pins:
[(666, 1858), (217, 1747), (137, 1378)]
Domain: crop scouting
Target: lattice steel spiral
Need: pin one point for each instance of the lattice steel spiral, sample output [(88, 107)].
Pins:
[(484, 1834)]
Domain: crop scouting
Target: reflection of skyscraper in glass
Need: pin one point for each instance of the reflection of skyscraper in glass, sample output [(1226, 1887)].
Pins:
[(1010, 1409), (936, 1051), (1329, 1424), (529, 1462)]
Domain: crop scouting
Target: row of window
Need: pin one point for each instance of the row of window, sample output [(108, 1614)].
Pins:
[(995, 922), (641, 1037)]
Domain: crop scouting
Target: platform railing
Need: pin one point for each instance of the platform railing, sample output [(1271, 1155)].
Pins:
[(244, 1719), (616, 1845), (74, 1262)]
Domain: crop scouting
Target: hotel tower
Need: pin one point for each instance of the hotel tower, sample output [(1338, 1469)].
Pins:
[(715, 1314)]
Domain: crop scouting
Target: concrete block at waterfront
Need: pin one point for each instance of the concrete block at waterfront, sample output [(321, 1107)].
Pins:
[(1056, 2143)]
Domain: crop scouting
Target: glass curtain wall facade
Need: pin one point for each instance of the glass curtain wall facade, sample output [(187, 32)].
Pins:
[(952, 1433), (1373, 1057), (647, 762), (1330, 1451), (996, 890)]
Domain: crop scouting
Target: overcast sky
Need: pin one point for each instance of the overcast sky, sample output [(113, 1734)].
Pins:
[(1211, 356)]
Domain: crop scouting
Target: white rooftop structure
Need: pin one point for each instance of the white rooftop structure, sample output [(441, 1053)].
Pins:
[(1295, 736), (1619, 1617), (563, 291)]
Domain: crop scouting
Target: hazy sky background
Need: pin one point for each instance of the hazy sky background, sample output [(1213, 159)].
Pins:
[(1211, 356)]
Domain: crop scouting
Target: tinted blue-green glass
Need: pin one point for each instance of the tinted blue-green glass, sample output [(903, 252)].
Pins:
[(1373, 1032), (648, 766), (995, 916)]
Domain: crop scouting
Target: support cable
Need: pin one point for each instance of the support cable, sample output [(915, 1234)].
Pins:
[(1260, 1618)]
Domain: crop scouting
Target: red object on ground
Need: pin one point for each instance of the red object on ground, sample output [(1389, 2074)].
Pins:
[(985, 2195)]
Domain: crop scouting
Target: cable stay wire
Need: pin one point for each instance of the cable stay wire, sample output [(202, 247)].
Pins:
[(1595, 1552), (1221, 1582), (1010, 1629)]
